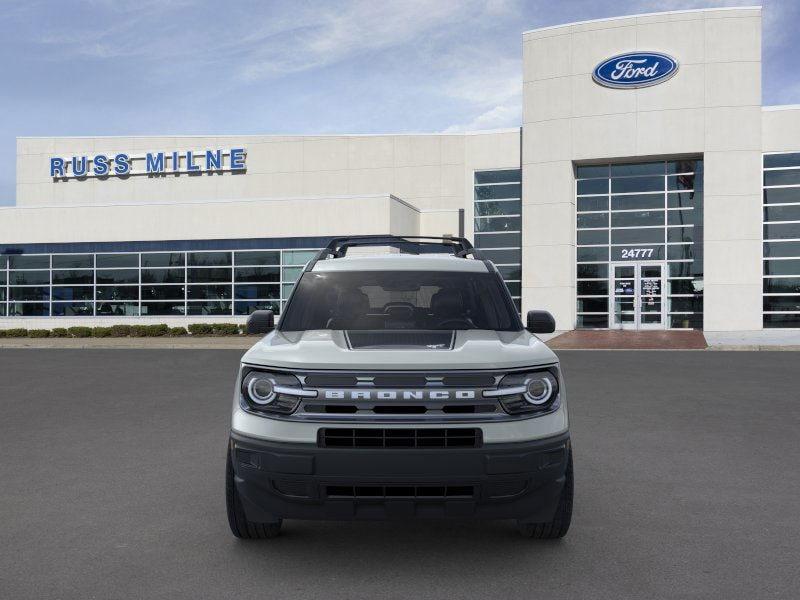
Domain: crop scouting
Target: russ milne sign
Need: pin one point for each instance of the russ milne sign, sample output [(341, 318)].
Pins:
[(152, 163), (635, 70)]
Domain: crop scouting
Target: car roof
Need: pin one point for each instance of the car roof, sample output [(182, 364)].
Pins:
[(402, 262)]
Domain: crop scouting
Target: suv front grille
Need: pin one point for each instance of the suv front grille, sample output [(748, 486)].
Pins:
[(430, 492), (334, 437)]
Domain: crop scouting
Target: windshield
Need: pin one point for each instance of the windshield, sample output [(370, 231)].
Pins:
[(379, 300)]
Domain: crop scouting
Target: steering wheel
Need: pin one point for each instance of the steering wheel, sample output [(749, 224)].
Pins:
[(466, 321)]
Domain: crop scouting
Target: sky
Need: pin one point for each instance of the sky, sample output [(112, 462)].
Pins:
[(170, 67)]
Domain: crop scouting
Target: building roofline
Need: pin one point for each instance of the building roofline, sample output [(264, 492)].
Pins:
[(651, 14), (781, 107), (264, 135)]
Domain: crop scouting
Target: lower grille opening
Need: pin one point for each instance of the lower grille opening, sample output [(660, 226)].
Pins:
[(399, 438), (400, 491), (399, 410), (461, 409)]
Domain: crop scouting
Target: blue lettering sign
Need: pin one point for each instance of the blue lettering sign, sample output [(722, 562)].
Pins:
[(56, 167), (237, 159), (176, 162), (154, 163), (79, 166), (121, 164), (190, 166), (213, 160), (100, 164), (635, 70)]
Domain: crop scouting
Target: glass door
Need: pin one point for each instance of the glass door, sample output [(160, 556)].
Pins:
[(637, 295)]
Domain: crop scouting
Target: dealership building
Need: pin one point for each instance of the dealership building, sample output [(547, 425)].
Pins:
[(646, 188)]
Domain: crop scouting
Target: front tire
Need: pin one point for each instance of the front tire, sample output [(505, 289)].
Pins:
[(240, 526), (559, 525)]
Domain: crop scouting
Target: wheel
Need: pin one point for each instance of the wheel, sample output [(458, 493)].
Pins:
[(558, 527), (240, 526)]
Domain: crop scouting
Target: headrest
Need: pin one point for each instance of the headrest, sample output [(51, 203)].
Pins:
[(447, 303)]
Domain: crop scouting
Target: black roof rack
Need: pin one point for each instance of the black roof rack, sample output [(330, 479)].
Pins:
[(409, 244)]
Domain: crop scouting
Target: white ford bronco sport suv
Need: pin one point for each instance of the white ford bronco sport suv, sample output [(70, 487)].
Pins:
[(399, 385)]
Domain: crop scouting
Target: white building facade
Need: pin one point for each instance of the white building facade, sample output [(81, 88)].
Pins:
[(647, 188)]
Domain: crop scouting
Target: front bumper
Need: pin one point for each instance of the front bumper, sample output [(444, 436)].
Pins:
[(520, 480)]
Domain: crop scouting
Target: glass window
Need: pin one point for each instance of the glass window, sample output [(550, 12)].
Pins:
[(209, 308), (162, 309), (593, 288), (593, 305), (498, 240), (513, 273), (209, 259), (782, 213), (680, 234), (649, 168), (298, 257), (637, 202), (29, 277), (73, 292), (246, 308), (782, 285), (497, 208), (29, 293), (257, 274), (782, 231), (684, 199), (694, 321), (593, 203), (28, 309), (209, 275), (164, 259), (592, 271), (257, 292), (592, 186), (500, 176), (66, 277), (592, 254), (73, 261), (592, 236), (162, 292), (782, 249), (637, 236), (684, 166), (684, 217), (685, 286), (2, 278), (593, 321), (493, 192), (790, 159), (73, 309), (679, 252), (637, 184), (637, 218), (514, 288), (681, 304), (681, 182), (117, 261), (787, 320), (3, 262), (588, 171), (209, 292), (498, 224), (117, 309), (118, 292), (262, 257), (788, 177), (782, 267), (117, 275), (782, 303), (782, 195), (29, 261), (681, 269), (503, 257), (593, 220), (292, 273), (163, 276)]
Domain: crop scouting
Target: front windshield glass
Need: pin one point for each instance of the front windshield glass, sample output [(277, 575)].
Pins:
[(416, 300)]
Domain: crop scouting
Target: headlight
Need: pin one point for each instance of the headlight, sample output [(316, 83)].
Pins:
[(266, 391), (528, 392)]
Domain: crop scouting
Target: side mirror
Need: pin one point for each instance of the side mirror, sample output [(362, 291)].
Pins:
[(540, 321), (260, 322)]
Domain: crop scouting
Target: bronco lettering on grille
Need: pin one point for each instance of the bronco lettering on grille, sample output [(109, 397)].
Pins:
[(399, 395)]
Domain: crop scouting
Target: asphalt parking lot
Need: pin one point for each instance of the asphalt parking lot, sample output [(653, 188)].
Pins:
[(111, 486)]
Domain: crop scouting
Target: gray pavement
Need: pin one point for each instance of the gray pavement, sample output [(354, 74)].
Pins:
[(111, 486)]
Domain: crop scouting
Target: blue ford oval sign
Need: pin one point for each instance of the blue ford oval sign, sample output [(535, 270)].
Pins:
[(635, 70)]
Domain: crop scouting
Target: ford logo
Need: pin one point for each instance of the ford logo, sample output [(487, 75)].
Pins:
[(635, 70)]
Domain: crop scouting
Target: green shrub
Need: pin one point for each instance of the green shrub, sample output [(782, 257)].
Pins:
[(138, 331), (16, 332), (38, 333), (177, 331), (101, 332), (2, 333), (157, 330), (120, 330), (201, 329), (59, 332), (80, 332), (224, 329)]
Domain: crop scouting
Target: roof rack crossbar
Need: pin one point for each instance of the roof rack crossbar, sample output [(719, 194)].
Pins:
[(338, 246)]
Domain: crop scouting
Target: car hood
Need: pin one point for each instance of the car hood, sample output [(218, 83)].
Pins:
[(329, 349)]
